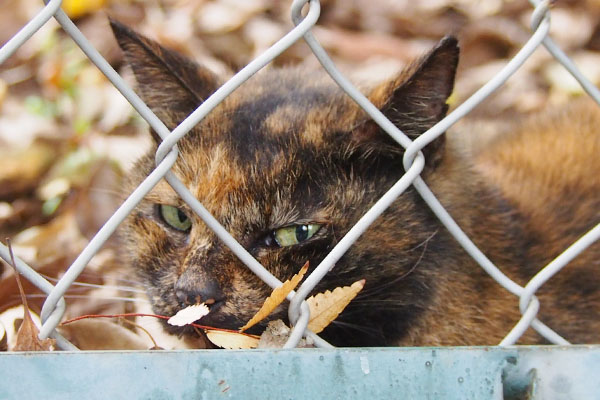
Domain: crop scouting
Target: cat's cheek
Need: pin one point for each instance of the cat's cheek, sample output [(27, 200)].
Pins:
[(159, 290), (245, 296)]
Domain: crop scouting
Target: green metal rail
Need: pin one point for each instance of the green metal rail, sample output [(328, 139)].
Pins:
[(550, 372)]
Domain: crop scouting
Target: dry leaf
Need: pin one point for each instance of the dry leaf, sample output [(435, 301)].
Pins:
[(189, 315), (276, 298), (232, 340), (277, 334), (50, 242), (27, 335), (22, 169), (3, 338), (155, 328), (325, 307), (98, 334), (222, 17), (11, 319), (96, 201), (78, 8), (3, 90)]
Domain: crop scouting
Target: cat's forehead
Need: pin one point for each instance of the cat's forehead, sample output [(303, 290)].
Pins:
[(272, 125), (286, 106)]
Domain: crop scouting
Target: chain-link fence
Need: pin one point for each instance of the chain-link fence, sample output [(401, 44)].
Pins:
[(414, 161)]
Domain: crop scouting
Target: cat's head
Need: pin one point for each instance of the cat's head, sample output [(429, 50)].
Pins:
[(287, 164)]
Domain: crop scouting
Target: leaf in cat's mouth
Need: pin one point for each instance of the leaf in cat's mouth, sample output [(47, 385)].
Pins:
[(276, 298), (189, 314), (324, 308)]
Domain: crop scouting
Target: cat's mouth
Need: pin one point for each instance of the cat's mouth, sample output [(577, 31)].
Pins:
[(218, 318)]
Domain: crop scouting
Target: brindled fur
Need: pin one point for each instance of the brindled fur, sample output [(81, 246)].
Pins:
[(288, 147)]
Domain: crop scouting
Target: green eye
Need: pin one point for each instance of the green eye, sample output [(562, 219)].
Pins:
[(291, 235), (175, 218)]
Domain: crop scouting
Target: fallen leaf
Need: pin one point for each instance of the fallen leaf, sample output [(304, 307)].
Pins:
[(277, 334), (562, 81), (96, 334), (189, 315), (222, 17), (96, 201), (232, 340), (326, 306), (78, 8), (276, 298), (21, 170), (11, 319), (27, 335), (3, 90), (168, 341), (53, 241), (3, 338)]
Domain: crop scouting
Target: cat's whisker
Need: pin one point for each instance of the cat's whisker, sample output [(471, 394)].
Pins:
[(386, 285), (389, 306), (101, 190), (426, 241), (95, 297), (380, 301), (115, 287), (81, 285), (126, 282), (356, 327), (134, 287)]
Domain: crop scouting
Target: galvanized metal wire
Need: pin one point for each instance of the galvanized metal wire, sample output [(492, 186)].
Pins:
[(414, 162)]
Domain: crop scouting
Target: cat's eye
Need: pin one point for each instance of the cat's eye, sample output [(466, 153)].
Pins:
[(294, 234), (175, 217)]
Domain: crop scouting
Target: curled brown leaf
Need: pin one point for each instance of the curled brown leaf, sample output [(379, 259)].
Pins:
[(276, 298)]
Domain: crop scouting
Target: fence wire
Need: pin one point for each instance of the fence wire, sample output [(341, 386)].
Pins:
[(414, 161)]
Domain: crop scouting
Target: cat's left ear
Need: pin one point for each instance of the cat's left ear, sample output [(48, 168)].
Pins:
[(416, 99), (169, 83)]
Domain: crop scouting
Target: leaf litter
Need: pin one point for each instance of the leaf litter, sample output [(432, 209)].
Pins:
[(27, 338)]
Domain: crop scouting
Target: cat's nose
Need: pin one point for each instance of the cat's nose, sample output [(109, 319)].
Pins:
[(190, 292)]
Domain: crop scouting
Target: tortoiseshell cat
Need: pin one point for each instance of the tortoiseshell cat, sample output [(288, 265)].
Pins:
[(288, 164)]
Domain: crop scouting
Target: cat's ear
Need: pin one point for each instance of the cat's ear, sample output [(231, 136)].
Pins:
[(170, 84), (416, 99)]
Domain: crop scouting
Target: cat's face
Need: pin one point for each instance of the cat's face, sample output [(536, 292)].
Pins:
[(287, 164)]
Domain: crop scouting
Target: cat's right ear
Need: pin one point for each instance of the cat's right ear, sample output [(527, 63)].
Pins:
[(414, 101), (172, 85)]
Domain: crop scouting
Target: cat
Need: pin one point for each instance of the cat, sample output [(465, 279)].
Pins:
[(288, 163)]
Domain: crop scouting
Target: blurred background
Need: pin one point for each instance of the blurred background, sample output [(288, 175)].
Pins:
[(67, 136)]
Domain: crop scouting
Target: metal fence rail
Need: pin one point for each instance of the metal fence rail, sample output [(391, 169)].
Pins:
[(414, 161), (448, 373)]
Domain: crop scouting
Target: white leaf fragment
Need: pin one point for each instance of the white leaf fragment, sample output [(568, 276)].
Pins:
[(188, 315)]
